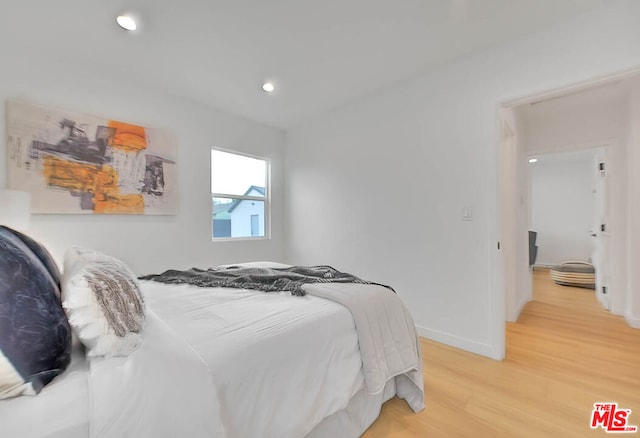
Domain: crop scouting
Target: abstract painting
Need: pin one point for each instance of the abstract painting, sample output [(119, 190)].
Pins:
[(76, 163)]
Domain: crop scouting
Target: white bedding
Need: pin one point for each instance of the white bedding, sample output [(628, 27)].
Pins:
[(162, 389), (61, 410), (230, 363), (387, 337), (277, 372)]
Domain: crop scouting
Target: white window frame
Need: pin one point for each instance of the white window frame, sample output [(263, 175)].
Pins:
[(266, 199)]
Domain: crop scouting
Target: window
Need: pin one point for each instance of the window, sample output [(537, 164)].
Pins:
[(239, 192)]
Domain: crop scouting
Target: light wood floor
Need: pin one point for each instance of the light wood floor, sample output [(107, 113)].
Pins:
[(564, 354)]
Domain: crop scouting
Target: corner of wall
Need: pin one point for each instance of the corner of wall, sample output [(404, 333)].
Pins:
[(632, 321), (487, 350)]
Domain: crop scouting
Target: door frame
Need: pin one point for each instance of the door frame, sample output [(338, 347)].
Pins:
[(604, 277), (498, 236)]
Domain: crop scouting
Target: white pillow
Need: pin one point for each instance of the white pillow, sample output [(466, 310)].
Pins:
[(102, 299)]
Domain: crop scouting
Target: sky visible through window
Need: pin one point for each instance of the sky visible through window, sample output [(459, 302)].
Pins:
[(233, 174)]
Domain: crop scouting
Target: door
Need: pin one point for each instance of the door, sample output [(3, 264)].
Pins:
[(601, 231)]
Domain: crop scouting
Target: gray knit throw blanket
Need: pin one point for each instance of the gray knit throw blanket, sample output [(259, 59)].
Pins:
[(265, 279)]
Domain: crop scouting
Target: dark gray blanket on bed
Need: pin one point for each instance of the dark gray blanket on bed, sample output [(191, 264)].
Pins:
[(265, 279)]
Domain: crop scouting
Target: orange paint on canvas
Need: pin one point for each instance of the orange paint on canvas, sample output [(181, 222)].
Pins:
[(106, 180), (100, 181), (71, 175), (129, 138), (114, 203)]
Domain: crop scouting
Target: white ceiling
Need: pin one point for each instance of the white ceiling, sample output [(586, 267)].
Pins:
[(320, 54)]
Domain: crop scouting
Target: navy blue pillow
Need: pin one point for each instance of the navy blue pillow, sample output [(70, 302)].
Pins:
[(40, 252), (35, 336)]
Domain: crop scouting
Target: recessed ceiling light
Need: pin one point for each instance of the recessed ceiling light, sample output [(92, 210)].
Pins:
[(533, 160), (268, 87), (126, 22)]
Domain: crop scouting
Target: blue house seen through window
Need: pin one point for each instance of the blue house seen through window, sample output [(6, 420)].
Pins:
[(240, 217)]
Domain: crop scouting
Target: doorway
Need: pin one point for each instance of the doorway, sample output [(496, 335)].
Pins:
[(565, 121), (569, 211)]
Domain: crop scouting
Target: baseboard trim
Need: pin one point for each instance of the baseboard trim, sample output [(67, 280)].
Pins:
[(458, 342), (633, 322)]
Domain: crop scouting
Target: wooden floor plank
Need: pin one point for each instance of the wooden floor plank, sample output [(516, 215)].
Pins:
[(564, 354)]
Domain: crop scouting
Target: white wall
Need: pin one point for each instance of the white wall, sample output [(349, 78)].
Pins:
[(415, 155), (563, 203), (565, 126), (632, 302), (148, 243)]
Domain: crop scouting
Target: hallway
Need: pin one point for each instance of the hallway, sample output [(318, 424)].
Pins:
[(585, 354), (564, 354)]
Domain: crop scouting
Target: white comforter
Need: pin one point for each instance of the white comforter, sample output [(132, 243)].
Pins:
[(162, 389), (229, 363), (286, 362), (279, 363)]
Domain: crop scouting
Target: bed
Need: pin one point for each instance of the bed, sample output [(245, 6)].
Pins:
[(574, 273), (228, 362)]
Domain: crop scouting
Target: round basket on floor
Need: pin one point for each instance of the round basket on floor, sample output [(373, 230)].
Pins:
[(578, 274)]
